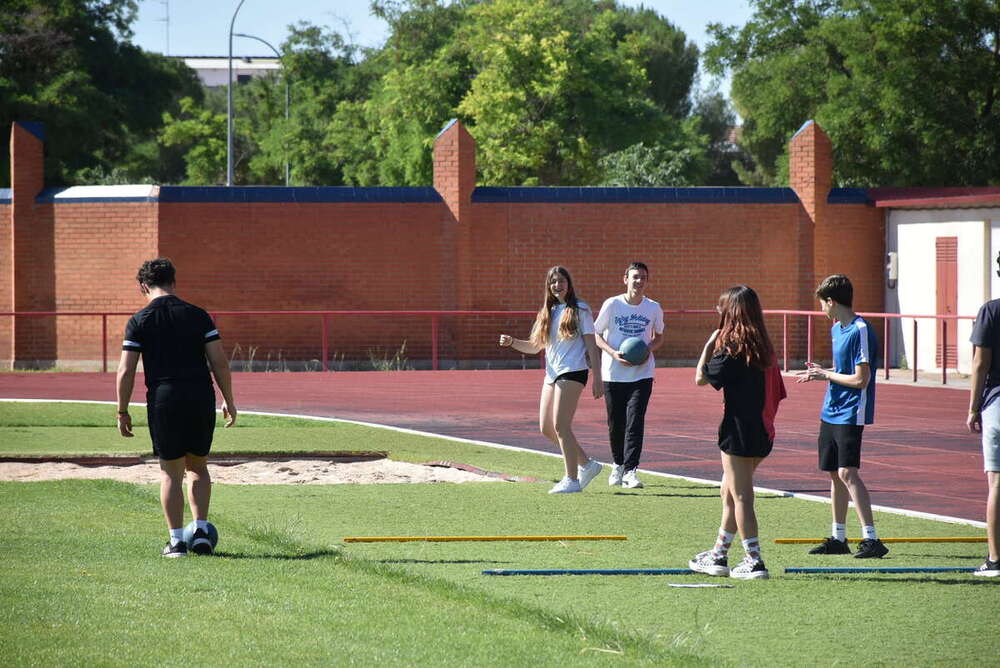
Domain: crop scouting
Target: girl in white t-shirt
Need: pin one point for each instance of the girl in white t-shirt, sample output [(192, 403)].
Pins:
[(564, 327)]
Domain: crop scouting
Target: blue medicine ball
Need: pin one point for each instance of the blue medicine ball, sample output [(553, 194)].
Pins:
[(634, 350), (213, 533)]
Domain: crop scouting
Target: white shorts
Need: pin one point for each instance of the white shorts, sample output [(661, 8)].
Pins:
[(991, 436)]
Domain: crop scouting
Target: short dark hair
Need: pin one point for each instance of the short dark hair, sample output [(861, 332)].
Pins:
[(158, 273), (838, 288), (637, 265)]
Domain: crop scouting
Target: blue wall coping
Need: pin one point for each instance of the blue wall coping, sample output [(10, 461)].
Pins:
[(34, 127), (848, 196), (297, 194), (483, 194), (6, 195), (590, 195)]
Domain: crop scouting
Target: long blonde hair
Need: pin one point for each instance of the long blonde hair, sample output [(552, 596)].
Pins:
[(569, 323)]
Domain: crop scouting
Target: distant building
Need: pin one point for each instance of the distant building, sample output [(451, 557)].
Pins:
[(213, 70)]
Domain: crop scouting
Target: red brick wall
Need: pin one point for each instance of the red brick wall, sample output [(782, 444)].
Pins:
[(455, 254), (693, 253), (97, 249), (390, 256)]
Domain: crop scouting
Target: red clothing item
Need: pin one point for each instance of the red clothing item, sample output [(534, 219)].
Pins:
[(774, 392)]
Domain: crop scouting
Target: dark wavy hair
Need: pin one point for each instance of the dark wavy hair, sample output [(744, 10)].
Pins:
[(742, 333), (569, 324), (158, 273)]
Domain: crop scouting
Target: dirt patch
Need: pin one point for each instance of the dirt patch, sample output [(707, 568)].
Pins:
[(290, 472)]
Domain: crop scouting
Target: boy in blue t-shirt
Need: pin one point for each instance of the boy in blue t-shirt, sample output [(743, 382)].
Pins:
[(849, 405)]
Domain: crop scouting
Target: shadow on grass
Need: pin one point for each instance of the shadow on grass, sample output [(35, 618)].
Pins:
[(305, 556), (970, 580), (978, 558), (440, 561), (710, 495)]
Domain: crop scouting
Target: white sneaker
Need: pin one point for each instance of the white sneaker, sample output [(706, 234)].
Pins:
[(709, 564), (615, 479), (589, 472), (630, 480), (566, 486), (750, 569)]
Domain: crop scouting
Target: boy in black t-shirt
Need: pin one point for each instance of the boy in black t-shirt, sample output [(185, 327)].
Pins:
[(175, 339), (984, 416)]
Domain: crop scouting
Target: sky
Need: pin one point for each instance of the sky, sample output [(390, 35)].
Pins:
[(201, 27)]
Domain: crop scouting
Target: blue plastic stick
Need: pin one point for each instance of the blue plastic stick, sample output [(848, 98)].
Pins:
[(884, 569), (592, 571)]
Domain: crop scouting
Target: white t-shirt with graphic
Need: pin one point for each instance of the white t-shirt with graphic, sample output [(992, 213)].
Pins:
[(619, 320), (566, 355)]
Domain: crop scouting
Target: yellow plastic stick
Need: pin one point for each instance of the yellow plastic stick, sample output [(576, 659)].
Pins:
[(912, 539), (455, 539)]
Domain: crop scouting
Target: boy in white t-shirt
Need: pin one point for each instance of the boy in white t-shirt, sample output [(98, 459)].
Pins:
[(627, 387)]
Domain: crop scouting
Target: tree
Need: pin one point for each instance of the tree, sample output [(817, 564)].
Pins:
[(325, 71), (68, 64), (201, 132), (906, 89), (727, 163), (546, 88), (422, 74)]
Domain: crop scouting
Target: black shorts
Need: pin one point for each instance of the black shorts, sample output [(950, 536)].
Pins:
[(577, 376), (181, 419), (742, 437), (839, 446)]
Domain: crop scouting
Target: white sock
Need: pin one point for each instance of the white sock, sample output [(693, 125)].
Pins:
[(839, 531), (722, 543), (752, 547), (176, 536), (201, 524), (868, 531)]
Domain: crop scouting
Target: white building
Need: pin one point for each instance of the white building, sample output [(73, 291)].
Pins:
[(944, 243), (214, 70)]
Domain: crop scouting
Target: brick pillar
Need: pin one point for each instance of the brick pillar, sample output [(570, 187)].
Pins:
[(455, 179), (31, 253), (455, 168), (810, 174), (847, 238)]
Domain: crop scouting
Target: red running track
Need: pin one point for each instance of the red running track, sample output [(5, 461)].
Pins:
[(918, 456)]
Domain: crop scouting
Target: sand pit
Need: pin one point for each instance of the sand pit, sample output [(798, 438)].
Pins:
[(291, 472)]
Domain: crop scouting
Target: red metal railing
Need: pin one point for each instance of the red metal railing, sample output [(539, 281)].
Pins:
[(435, 322)]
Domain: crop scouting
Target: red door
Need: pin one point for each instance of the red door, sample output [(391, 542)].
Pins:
[(947, 297)]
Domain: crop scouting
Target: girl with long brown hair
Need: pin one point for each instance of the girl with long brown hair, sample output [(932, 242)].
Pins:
[(564, 328), (739, 359)]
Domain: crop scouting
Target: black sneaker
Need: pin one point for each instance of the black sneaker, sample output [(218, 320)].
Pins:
[(989, 569), (831, 545), (871, 548), (178, 549), (200, 543)]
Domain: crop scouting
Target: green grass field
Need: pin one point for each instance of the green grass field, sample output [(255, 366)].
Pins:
[(83, 583)]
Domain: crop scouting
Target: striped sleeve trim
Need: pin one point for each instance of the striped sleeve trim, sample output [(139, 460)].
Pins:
[(131, 345), (864, 352), (212, 336)]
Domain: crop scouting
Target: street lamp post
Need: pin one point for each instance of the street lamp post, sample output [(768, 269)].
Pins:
[(229, 102), (284, 75)]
